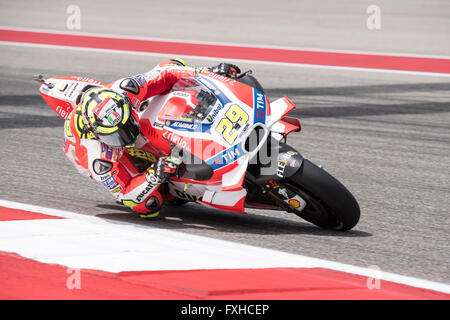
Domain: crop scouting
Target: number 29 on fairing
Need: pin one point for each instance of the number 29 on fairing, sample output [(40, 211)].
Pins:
[(234, 119)]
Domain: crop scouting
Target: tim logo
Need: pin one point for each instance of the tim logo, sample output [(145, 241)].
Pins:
[(259, 101)]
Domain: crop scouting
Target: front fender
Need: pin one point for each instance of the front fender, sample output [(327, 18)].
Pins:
[(285, 162)]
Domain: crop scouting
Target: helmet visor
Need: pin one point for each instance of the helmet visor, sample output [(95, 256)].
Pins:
[(126, 134)]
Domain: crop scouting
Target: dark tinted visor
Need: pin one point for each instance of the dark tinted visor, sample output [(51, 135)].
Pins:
[(124, 136)]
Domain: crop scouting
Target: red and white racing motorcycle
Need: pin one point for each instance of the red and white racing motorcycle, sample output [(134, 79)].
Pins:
[(232, 143)]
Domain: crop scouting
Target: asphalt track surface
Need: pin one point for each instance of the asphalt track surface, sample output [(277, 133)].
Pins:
[(384, 135)]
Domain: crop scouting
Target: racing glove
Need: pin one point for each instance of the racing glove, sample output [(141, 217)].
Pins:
[(162, 170), (226, 69)]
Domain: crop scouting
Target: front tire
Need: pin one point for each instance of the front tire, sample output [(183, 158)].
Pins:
[(329, 204)]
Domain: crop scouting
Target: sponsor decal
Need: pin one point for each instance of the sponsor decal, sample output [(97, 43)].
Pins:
[(157, 125), (88, 80), (181, 94), (144, 192), (110, 183), (213, 114), (64, 111), (274, 184), (294, 203), (221, 78), (101, 166), (116, 190), (141, 78), (71, 89), (283, 162), (180, 141), (188, 126), (103, 178), (182, 125), (259, 106), (226, 157), (244, 130), (109, 153)]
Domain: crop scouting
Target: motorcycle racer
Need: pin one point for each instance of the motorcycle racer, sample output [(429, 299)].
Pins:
[(104, 127)]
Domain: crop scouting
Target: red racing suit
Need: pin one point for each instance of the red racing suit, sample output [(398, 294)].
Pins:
[(113, 167)]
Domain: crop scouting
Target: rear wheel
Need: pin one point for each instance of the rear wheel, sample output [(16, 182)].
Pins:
[(329, 204)]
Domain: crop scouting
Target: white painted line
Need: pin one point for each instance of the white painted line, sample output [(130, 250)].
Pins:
[(83, 241), (278, 64)]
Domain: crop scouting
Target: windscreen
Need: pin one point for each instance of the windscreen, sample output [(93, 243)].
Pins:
[(199, 100)]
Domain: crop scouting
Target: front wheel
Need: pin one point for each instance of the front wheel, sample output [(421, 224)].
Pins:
[(329, 204)]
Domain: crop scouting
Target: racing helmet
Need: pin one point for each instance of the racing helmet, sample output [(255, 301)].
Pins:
[(108, 115)]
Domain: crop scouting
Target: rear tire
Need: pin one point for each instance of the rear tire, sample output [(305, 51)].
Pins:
[(329, 204)]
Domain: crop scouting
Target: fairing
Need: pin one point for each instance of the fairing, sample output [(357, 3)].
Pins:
[(216, 124)]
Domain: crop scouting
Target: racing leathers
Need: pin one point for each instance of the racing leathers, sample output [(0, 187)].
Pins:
[(117, 169)]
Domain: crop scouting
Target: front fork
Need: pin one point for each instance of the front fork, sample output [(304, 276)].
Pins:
[(286, 199), (271, 181)]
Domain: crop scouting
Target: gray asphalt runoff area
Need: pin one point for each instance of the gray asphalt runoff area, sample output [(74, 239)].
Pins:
[(385, 136)]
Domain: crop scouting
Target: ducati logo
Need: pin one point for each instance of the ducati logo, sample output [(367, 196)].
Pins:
[(144, 192)]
